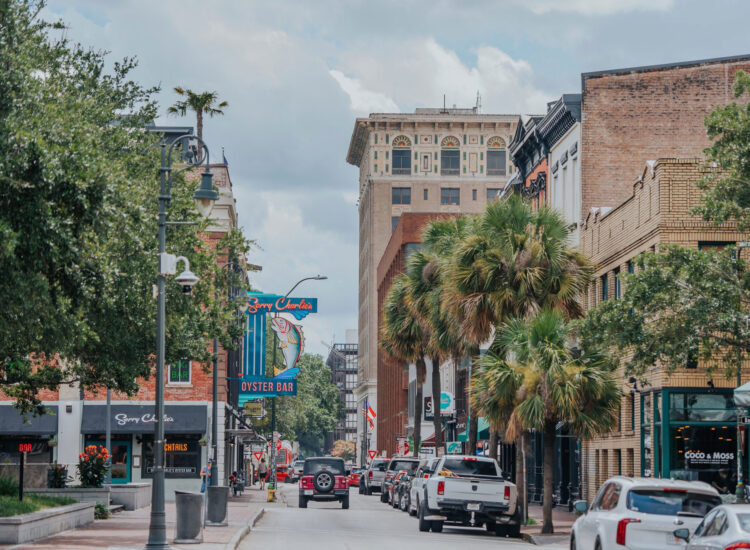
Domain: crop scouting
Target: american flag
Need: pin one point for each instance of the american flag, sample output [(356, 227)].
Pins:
[(369, 413)]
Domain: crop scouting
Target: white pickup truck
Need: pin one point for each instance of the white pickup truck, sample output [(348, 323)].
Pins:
[(469, 490)]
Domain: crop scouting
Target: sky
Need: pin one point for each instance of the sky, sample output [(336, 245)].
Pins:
[(296, 74)]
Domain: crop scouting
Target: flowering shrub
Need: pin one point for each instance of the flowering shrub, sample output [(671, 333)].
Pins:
[(92, 465)]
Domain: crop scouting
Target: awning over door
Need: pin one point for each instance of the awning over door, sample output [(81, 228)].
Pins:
[(137, 419)]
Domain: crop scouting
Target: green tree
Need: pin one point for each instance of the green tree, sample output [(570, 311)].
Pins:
[(78, 254), (727, 196), (533, 380), (200, 103), (403, 337)]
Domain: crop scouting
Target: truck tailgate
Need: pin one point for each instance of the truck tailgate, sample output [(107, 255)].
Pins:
[(485, 490)]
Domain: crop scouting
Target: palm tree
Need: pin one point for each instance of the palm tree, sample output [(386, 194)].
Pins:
[(200, 103), (403, 338), (535, 381)]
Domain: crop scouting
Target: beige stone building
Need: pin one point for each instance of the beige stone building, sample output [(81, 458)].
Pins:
[(433, 160), (663, 424)]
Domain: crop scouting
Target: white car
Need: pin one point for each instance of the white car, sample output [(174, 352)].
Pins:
[(425, 470), (641, 514), (725, 527)]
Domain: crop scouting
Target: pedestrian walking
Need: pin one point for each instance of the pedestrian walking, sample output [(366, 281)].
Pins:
[(206, 475), (262, 473), (233, 481)]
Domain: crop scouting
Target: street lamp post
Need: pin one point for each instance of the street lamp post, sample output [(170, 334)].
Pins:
[(273, 366), (205, 197)]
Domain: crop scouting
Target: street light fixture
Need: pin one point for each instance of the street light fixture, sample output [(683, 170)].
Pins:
[(205, 196)]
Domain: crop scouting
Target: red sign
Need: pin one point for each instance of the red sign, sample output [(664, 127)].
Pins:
[(278, 444), (372, 454), (24, 447), (258, 456)]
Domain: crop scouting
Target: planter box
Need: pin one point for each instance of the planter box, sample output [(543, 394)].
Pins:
[(37, 525), (131, 495), (101, 495)]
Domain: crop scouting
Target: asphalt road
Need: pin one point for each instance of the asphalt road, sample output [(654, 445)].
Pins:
[(366, 525)]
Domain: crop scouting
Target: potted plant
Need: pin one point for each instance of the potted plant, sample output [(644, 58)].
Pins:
[(92, 466), (203, 442)]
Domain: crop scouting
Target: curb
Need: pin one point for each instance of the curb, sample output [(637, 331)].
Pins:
[(242, 533), (545, 539)]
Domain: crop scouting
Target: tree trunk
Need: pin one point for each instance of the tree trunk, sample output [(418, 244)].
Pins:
[(437, 421), (473, 427), (418, 407), (520, 474), (199, 124), (493, 443), (549, 467)]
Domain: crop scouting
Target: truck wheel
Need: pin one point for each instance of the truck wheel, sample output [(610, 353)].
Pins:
[(501, 530), (361, 490), (437, 526), (490, 526), (514, 530), (345, 503), (383, 496), (424, 525), (302, 502)]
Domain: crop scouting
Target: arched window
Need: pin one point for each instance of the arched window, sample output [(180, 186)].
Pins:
[(496, 156), (450, 160), (401, 156)]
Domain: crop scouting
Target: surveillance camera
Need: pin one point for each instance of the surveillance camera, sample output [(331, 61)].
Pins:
[(187, 289)]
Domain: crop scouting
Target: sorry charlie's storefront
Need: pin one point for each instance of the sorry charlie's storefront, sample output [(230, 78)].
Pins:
[(132, 434), (691, 434)]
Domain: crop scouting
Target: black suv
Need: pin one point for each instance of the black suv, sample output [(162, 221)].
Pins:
[(324, 478)]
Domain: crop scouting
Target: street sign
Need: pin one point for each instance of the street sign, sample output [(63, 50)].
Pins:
[(258, 456), (278, 444), (254, 408), (372, 454), (453, 448), (447, 406)]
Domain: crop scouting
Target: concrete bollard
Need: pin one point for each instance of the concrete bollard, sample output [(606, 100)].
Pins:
[(189, 513), (216, 505)]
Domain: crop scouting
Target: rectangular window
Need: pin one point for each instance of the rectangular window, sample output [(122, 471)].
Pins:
[(495, 163), (401, 161), (464, 155), (481, 155), (179, 373), (376, 155), (416, 155), (435, 168), (450, 161), (449, 195), (386, 138), (631, 267), (386, 168), (605, 287), (617, 283), (426, 162), (401, 195), (376, 168), (464, 168), (481, 140), (492, 193), (181, 456), (435, 155), (473, 194), (394, 222), (376, 139), (386, 155), (481, 169), (464, 139), (425, 194)]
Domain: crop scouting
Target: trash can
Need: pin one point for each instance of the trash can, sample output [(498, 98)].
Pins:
[(189, 517), (216, 504)]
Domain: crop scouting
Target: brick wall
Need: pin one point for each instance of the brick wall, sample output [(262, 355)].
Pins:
[(629, 117)]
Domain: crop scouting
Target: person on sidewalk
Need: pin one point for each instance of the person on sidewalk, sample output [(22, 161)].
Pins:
[(262, 473), (206, 475), (233, 480)]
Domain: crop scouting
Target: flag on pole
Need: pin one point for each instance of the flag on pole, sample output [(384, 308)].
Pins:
[(370, 415)]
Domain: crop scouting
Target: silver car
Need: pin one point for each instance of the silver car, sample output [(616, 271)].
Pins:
[(726, 527), (374, 476)]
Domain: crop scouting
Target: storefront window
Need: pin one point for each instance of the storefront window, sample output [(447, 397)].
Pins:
[(705, 453), (40, 451), (646, 440), (182, 456), (702, 407)]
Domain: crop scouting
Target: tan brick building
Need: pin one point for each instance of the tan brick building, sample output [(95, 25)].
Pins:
[(648, 439)]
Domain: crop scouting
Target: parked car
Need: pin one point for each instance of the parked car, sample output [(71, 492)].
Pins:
[(354, 477), (641, 513), (393, 488), (395, 465), (297, 467), (375, 474), (402, 493), (282, 474), (726, 527), (469, 490), (324, 479), (416, 486)]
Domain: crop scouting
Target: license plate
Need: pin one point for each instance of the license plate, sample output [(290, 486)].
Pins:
[(308, 491), (473, 506)]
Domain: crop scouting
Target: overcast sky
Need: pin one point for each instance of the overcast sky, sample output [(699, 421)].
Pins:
[(296, 73)]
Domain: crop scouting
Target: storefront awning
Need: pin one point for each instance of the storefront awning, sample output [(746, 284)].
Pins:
[(483, 430), (14, 423), (138, 419), (742, 395)]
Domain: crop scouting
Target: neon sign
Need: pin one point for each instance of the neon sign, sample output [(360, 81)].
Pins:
[(24, 447), (273, 303)]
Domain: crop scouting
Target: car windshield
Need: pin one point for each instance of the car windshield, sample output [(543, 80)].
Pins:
[(468, 467), (409, 465), (332, 465), (744, 521), (670, 502), (379, 465)]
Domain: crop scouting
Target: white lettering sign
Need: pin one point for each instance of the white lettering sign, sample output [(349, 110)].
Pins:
[(123, 419), (695, 458)]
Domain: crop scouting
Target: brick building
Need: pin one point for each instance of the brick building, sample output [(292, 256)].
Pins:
[(78, 418), (647, 439)]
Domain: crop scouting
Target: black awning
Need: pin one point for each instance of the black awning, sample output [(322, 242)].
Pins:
[(139, 419), (14, 423)]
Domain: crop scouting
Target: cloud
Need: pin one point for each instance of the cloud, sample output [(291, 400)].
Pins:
[(597, 7), (361, 100), (431, 70)]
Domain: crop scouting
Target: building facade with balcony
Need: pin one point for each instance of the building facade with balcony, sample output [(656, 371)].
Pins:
[(342, 359)]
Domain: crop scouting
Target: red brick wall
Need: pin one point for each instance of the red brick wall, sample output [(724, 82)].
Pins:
[(629, 118)]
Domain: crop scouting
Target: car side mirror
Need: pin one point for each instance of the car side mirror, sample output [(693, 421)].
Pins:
[(683, 534), (581, 507)]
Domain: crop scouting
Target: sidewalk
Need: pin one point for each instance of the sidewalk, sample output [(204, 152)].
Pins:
[(561, 519), (129, 530)]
